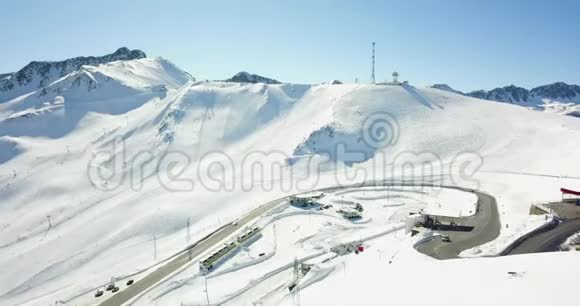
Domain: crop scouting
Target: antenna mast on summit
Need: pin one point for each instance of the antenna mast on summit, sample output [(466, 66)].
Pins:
[(373, 70)]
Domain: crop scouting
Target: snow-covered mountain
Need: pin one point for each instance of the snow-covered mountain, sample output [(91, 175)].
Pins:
[(85, 161), (115, 87), (39, 74), (245, 77)]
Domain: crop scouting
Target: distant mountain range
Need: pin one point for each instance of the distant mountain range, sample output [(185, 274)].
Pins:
[(556, 97), (558, 91)]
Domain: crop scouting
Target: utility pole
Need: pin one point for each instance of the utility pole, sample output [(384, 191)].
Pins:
[(49, 227), (296, 290), (393, 257), (155, 248), (188, 235), (275, 237), (206, 292)]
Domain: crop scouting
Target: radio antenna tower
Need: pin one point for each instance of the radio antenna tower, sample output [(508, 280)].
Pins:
[(373, 71)]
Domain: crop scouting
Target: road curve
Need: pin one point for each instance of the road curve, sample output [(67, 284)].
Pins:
[(546, 241), (486, 228)]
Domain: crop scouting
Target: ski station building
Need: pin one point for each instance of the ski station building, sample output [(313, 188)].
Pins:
[(570, 196)]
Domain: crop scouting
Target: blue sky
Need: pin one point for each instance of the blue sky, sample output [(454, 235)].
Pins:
[(469, 44)]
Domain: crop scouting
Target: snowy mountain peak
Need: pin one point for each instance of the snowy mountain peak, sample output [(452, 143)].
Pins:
[(136, 75), (124, 53), (245, 77), (111, 88), (39, 74)]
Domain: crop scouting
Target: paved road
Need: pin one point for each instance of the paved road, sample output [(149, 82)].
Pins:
[(547, 241), (193, 251), (487, 228)]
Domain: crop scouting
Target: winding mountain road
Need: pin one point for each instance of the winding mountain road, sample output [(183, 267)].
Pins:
[(486, 221)]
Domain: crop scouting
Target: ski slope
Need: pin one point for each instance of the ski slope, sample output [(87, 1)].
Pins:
[(86, 167)]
